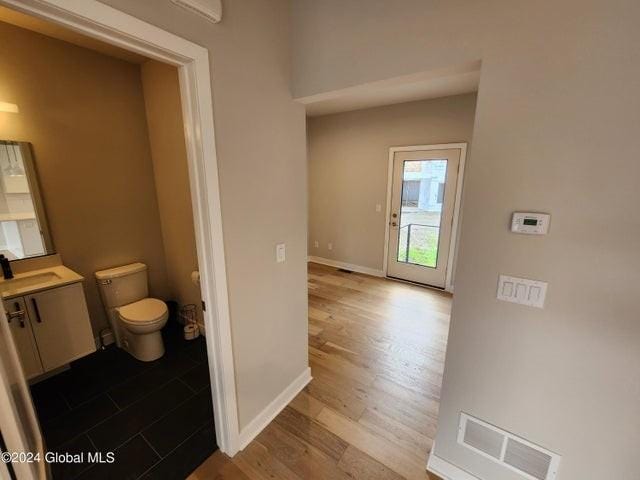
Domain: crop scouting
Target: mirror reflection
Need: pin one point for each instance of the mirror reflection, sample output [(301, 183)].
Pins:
[(23, 225)]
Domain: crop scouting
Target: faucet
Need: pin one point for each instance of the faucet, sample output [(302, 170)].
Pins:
[(6, 267)]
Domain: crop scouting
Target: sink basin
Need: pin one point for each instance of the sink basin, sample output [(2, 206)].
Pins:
[(29, 281)]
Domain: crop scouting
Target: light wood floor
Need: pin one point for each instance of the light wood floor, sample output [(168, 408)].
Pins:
[(376, 350)]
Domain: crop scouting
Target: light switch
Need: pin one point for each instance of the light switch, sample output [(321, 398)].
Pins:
[(534, 294), (378, 207), (280, 253), (507, 289), (522, 291), (316, 244), (330, 246)]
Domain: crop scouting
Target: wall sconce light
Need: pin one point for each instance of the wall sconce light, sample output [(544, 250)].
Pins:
[(8, 107)]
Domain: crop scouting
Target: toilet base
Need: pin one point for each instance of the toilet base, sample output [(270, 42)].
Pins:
[(146, 347)]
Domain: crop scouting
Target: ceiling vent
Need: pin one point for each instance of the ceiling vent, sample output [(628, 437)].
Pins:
[(515, 453), (209, 9)]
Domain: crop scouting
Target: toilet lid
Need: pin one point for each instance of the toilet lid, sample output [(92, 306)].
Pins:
[(146, 310)]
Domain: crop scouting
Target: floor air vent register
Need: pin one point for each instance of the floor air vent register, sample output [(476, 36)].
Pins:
[(512, 452)]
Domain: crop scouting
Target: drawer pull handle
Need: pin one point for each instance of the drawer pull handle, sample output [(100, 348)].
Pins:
[(17, 313), (36, 310)]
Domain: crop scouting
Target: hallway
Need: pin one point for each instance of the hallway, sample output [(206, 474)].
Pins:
[(376, 351)]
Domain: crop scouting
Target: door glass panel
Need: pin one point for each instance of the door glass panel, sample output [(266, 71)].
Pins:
[(423, 185)]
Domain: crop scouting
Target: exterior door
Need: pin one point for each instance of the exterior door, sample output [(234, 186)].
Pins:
[(423, 196)]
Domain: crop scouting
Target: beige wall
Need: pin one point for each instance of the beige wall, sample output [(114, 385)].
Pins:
[(171, 173), (348, 156), (556, 131), (84, 114), (260, 139)]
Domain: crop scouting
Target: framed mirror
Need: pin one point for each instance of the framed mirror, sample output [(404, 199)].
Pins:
[(24, 231)]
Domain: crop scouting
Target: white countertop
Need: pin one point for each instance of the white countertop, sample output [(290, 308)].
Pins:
[(16, 287)]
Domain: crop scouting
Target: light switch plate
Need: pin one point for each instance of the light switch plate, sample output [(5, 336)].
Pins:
[(522, 291), (280, 252)]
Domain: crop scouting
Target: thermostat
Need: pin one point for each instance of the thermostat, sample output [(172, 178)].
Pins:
[(530, 223)]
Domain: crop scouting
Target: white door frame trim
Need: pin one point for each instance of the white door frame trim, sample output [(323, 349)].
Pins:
[(456, 207), (112, 26)]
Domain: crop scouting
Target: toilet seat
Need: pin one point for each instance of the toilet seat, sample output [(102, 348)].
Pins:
[(144, 312)]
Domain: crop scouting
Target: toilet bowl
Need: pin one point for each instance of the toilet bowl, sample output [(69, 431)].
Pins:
[(135, 319), (142, 322)]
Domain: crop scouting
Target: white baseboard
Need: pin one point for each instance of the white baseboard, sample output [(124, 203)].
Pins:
[(251, 431), (446, 470), (347, 266)]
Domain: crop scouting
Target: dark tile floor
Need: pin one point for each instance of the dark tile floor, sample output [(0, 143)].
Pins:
[(156, 417)]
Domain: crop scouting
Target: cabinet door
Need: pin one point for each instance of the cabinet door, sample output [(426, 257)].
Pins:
[(61, 325), (23, 337)]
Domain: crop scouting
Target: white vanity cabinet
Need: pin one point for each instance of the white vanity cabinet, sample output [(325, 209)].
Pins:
[(51, 328)]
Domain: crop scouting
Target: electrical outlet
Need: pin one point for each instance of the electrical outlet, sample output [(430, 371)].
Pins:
[(280, 252), (316, 244), (330, 246)]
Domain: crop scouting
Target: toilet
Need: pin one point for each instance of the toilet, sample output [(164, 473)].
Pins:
[(135, 319)]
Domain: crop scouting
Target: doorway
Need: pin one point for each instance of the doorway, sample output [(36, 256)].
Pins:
[(423, 203), (130, 295), (119, 29), (359, 323)]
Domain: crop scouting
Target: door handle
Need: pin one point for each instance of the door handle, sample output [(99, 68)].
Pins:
[(36, 310), (394, 224)]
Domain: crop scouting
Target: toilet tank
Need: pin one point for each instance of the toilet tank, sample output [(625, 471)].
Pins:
[(123, 285)]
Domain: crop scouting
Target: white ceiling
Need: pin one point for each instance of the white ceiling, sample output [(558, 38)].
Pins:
[(421, 86)]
